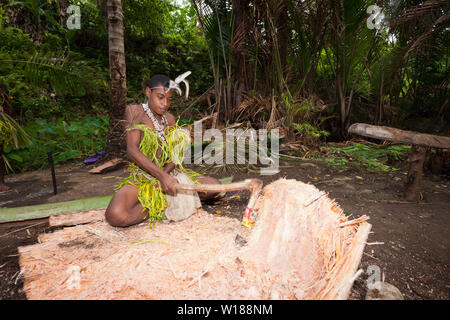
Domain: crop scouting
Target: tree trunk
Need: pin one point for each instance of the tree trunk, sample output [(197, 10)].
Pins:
[(115, 144), (240, 54), (2, 167), (62, 10), (283, 36), (342, 107)]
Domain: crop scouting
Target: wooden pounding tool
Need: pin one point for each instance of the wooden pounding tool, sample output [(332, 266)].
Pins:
[(253, 185)]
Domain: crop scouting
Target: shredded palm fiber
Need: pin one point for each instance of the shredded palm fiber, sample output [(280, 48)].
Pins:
[(298, 249)]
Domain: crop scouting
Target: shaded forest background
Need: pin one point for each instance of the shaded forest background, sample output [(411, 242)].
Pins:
[(310, 68)]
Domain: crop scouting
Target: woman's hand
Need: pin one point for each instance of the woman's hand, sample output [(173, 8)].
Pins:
[(169, 167), (168, 184)]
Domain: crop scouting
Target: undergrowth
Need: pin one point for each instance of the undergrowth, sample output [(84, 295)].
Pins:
[(373, 158), (66, 141)]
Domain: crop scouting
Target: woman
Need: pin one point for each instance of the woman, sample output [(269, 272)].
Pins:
[(141, 196)]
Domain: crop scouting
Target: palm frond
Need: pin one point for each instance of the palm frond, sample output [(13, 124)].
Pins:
[(12, 135), (416, 12), (59, 71)]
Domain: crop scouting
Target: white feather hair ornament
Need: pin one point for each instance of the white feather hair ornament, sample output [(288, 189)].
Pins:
[(175, 84)]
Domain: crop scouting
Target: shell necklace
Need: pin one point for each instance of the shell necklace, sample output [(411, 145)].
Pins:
[(159, 129)]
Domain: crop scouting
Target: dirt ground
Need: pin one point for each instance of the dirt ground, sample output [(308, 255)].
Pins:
[(409, 243)]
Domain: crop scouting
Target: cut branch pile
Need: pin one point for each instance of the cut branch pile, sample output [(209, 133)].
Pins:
[(302, 247)]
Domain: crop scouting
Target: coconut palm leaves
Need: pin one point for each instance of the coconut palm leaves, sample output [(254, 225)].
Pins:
[(352, 49), (216, 21), (60, 72), (416, 69), (12, 136)]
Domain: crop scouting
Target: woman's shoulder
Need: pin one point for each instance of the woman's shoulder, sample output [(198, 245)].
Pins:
[(170, 118)]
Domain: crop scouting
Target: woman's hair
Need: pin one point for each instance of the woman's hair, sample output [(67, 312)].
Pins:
[(157, 80)]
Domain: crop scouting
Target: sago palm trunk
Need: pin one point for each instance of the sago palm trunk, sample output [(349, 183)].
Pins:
[(115, 144)]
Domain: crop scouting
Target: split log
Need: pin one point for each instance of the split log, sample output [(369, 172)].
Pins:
[(399, 136), (63, 235)]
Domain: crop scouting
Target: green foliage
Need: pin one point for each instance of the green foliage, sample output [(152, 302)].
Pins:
[(303, 116), (61, 75), (374, 158), (66, 141), (307, 129), (336, 163), (16, 43), (44, 82)]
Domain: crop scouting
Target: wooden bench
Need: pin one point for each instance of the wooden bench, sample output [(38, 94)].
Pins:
[(419, 142)]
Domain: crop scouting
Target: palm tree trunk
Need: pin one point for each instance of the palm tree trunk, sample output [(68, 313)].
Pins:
[(283, 35), (62, 8), (115, 144), (241, 22)]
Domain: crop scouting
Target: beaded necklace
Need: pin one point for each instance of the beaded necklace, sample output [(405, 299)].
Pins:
[(159, 129)]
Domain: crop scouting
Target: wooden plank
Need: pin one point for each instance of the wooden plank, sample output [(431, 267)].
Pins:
[(51, 209), (71, 219), (63, 235), (399, 136), (108, 166)]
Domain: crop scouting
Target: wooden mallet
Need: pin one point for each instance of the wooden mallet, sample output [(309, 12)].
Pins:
[(253, 185)]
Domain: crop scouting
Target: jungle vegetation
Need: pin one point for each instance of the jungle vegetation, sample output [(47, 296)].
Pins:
[(309, 67)]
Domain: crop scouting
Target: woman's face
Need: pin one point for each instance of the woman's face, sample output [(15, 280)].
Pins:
[(159, 100)]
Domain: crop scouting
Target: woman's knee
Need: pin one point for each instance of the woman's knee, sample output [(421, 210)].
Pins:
[(116, 216), (118, 212)]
